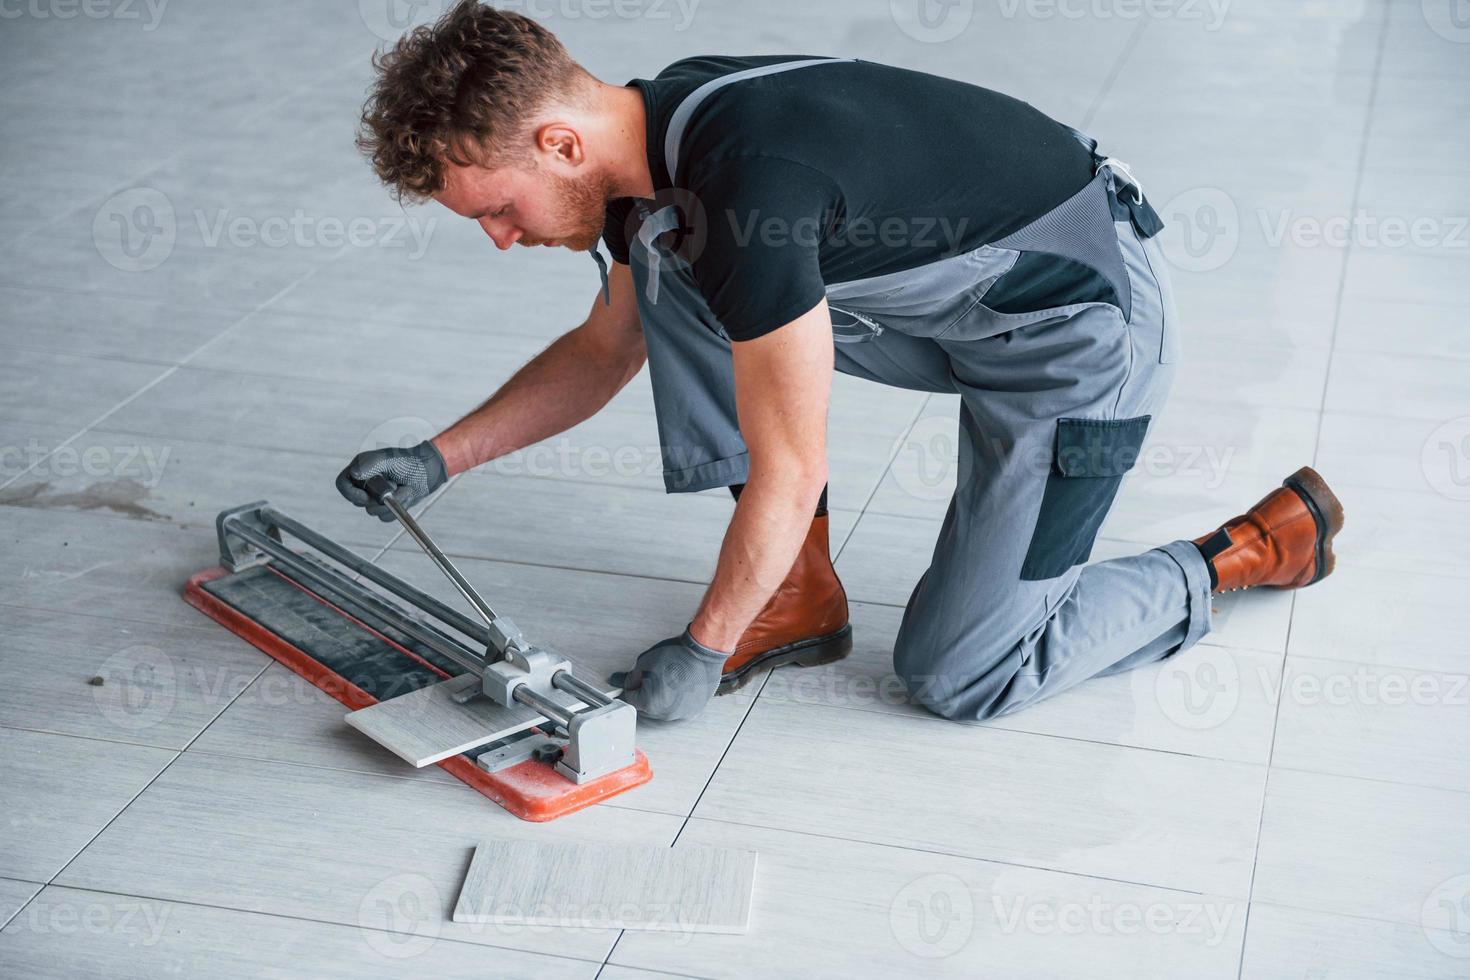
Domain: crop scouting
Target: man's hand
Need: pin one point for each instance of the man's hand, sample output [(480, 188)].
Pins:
[(782, 384), (415, 473), (673, 679)]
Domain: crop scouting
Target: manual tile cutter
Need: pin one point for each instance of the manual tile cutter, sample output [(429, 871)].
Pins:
[(515, 722)]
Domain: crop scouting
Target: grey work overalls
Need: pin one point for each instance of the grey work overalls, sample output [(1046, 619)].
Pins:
[(1055, 404)]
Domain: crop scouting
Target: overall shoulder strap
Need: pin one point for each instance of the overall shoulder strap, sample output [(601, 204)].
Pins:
[(679, 121)]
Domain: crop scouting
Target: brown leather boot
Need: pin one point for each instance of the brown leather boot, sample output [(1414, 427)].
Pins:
[(1283, 542), (804, 623)]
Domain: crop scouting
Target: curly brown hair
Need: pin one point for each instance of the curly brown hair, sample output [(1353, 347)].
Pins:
[(463, 90)]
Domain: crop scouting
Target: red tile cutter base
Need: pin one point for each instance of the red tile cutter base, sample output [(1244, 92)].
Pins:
[(362, 649)]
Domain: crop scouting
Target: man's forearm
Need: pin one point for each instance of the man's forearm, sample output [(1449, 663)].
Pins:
[(771, 521), (565, 384)]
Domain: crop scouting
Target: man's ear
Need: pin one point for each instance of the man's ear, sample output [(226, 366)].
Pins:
[(562, 143)]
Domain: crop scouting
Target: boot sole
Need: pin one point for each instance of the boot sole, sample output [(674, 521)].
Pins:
[(811, 652), (1326, 511)]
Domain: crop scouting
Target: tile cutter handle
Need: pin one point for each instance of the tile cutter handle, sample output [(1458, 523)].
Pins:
[(380, 489)]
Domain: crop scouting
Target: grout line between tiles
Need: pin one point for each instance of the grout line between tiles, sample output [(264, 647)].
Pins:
[(1130, 44), (40, 887), (1364, 139)]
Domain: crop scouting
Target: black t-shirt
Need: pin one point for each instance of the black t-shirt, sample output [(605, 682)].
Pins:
[(835, 172)]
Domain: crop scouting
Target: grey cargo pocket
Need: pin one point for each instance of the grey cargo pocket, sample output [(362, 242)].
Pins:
[(1090, 458)]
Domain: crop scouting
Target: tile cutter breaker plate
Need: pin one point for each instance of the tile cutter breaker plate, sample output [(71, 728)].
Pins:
[(513, 721)]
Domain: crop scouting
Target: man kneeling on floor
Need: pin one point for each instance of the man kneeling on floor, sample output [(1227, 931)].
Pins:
[(772, 219)]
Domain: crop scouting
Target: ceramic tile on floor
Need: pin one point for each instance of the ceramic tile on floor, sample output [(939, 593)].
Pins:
[(1361, 848), (377, 355), (65, 389), (1264, 376), (64, 255), (1404, 531), (1389, 618), (27, 447), (1397, 386), (885, 556), (1423, 329), (1385, 275), (61, 791), (160, 685), (1210, 701), (914, 914), (14, 895), (1089, 809), (1416, 455), (1388, 723), (114, 326), (275, 413), (461, 284), (1288, 944), (1203, 441), (145, 938), (1435, 154), (329, 845), (96, 565)]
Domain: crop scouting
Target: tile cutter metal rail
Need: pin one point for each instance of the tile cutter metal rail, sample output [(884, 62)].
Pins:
[(427, 682)]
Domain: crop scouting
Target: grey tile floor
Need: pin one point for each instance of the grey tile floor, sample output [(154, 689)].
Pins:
[(1289, 799)]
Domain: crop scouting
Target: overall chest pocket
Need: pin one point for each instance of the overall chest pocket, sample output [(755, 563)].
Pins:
[(1089, 460)]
